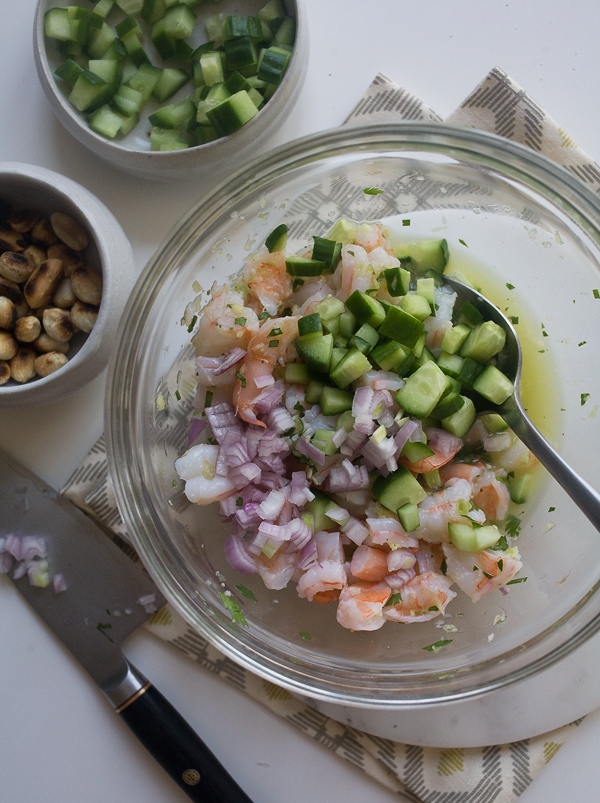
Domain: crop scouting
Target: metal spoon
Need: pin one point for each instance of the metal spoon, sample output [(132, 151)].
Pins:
[(515, 415)]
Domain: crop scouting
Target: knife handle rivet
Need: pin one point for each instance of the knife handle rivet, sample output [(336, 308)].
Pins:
[(191, 777)]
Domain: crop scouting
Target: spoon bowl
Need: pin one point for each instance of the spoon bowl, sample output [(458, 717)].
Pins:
[(510, 362)]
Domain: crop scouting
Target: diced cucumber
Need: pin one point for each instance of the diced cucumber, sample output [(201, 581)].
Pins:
[(454, 338), (426, 255), (416, 305), (343, 231), (316, 352), (397, 281), (323, 440), (348, 324), (426, 288), (233, 113), (350, 368), (365, 308), (414, 451), (364, 339), (179, 21), (493, 385), (106, 122), (483, 342), (310, 326), (130, 6), (422, 390), (471, 538), (401, 326), (313, 391), (317, 509), (277, 239), (272, 64), (304, 266), (399, 488), (408, 514), (173, 115), (460, 422), (296, 373), (327, 251), (494, 422), (449, 404), (170, 81), (334, 401), (520, 487)]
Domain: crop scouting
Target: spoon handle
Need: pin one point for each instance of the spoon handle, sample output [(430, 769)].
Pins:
[(584, 496)]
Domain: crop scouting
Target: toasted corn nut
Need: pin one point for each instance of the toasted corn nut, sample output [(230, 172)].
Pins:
[(69, 231), (47, 364), (11, 290), (43, 233), (8, 346), (4, 372), (45, 344), (58, 324), (70, 259), (37, 255), (64, 297), (23, 220), (8, 313), (27, 329), (87, 285), (42, 284), (84, 316), (11, 240), (22, 365), (15, 266)]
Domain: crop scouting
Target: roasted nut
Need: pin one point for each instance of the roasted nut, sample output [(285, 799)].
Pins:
[(42, 284), (69, 231), (8, 346), (15, 267), (43, 233), (58, 324), (37, 255), (45, 344), (23, 220), (70, 259), (84, 316), (47, 364), (8, 313), (4, 372), (22, 365), (64, 297), (11, 240), (27, 329), (87, 285), (11, 290)]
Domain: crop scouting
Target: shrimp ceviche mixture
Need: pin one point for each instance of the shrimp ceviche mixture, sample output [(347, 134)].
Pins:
[(337, 428)]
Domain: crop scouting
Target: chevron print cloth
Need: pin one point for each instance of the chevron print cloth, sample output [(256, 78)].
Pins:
[(495, 774)]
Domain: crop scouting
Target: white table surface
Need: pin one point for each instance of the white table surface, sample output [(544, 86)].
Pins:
[(59, 740)]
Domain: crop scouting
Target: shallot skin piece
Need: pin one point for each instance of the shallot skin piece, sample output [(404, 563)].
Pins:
[(293, 477)]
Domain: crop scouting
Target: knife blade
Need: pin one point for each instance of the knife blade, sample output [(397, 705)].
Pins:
[(106, 596)]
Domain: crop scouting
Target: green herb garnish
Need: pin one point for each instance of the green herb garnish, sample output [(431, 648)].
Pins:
[(373, 191), (240, 321), (234, 609), (584, 397), (247, 592), (242, 378), (192, 323), (513, 526), (437, 645)]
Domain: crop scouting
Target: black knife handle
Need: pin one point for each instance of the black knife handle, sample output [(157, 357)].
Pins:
[(178, 749)]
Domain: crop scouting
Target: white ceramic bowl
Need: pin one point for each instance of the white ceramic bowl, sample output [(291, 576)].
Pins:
[(109, 252), (132, 153)]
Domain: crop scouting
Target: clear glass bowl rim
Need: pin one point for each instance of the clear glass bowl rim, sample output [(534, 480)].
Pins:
[(488, 152)]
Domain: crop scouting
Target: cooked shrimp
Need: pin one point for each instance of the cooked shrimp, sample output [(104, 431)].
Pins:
[(423, 597), (361, 605), (197, 468), (271, 344), (371, 236), (444, 445), (478, 573), (267, 279), (354, 272), (277, 571), (491, 496), (322, 582), (369, 563), (226, 322), (440, 508), (461, 471)]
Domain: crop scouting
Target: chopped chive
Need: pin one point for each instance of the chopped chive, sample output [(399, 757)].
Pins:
[(510, 286), (584, 397), (514, 319), (208, 398), (373, 191), (192, 323), (596, 293), (275, 332), (239, 501), (240, 321), (273, 344), (395, 599), (516, 580), (247, 592), (583, 343), (178, 395), (306, 636), (406, 222), (462, 242), (263, 315), (437, 645), (242, 378)]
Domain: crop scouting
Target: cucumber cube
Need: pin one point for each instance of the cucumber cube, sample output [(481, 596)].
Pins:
[(470, 538), (422, 390), (493, 385), (397, 489)]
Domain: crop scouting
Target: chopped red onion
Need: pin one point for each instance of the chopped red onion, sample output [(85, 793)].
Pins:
[(405, 433), (348, 477), (271, 507), (197, 425), (221, 419), (279, 420), (355, 530), (238, 556)]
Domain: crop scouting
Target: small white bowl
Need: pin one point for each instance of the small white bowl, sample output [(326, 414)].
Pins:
[(132, 153), (30, 187)]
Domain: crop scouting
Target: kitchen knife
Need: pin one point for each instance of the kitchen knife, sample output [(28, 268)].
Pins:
[(105, 596)]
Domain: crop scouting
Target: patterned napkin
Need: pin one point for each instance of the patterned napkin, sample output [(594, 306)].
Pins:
[(496, 774)]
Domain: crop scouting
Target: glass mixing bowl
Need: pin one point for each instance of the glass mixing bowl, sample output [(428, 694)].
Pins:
[(530, 232)]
